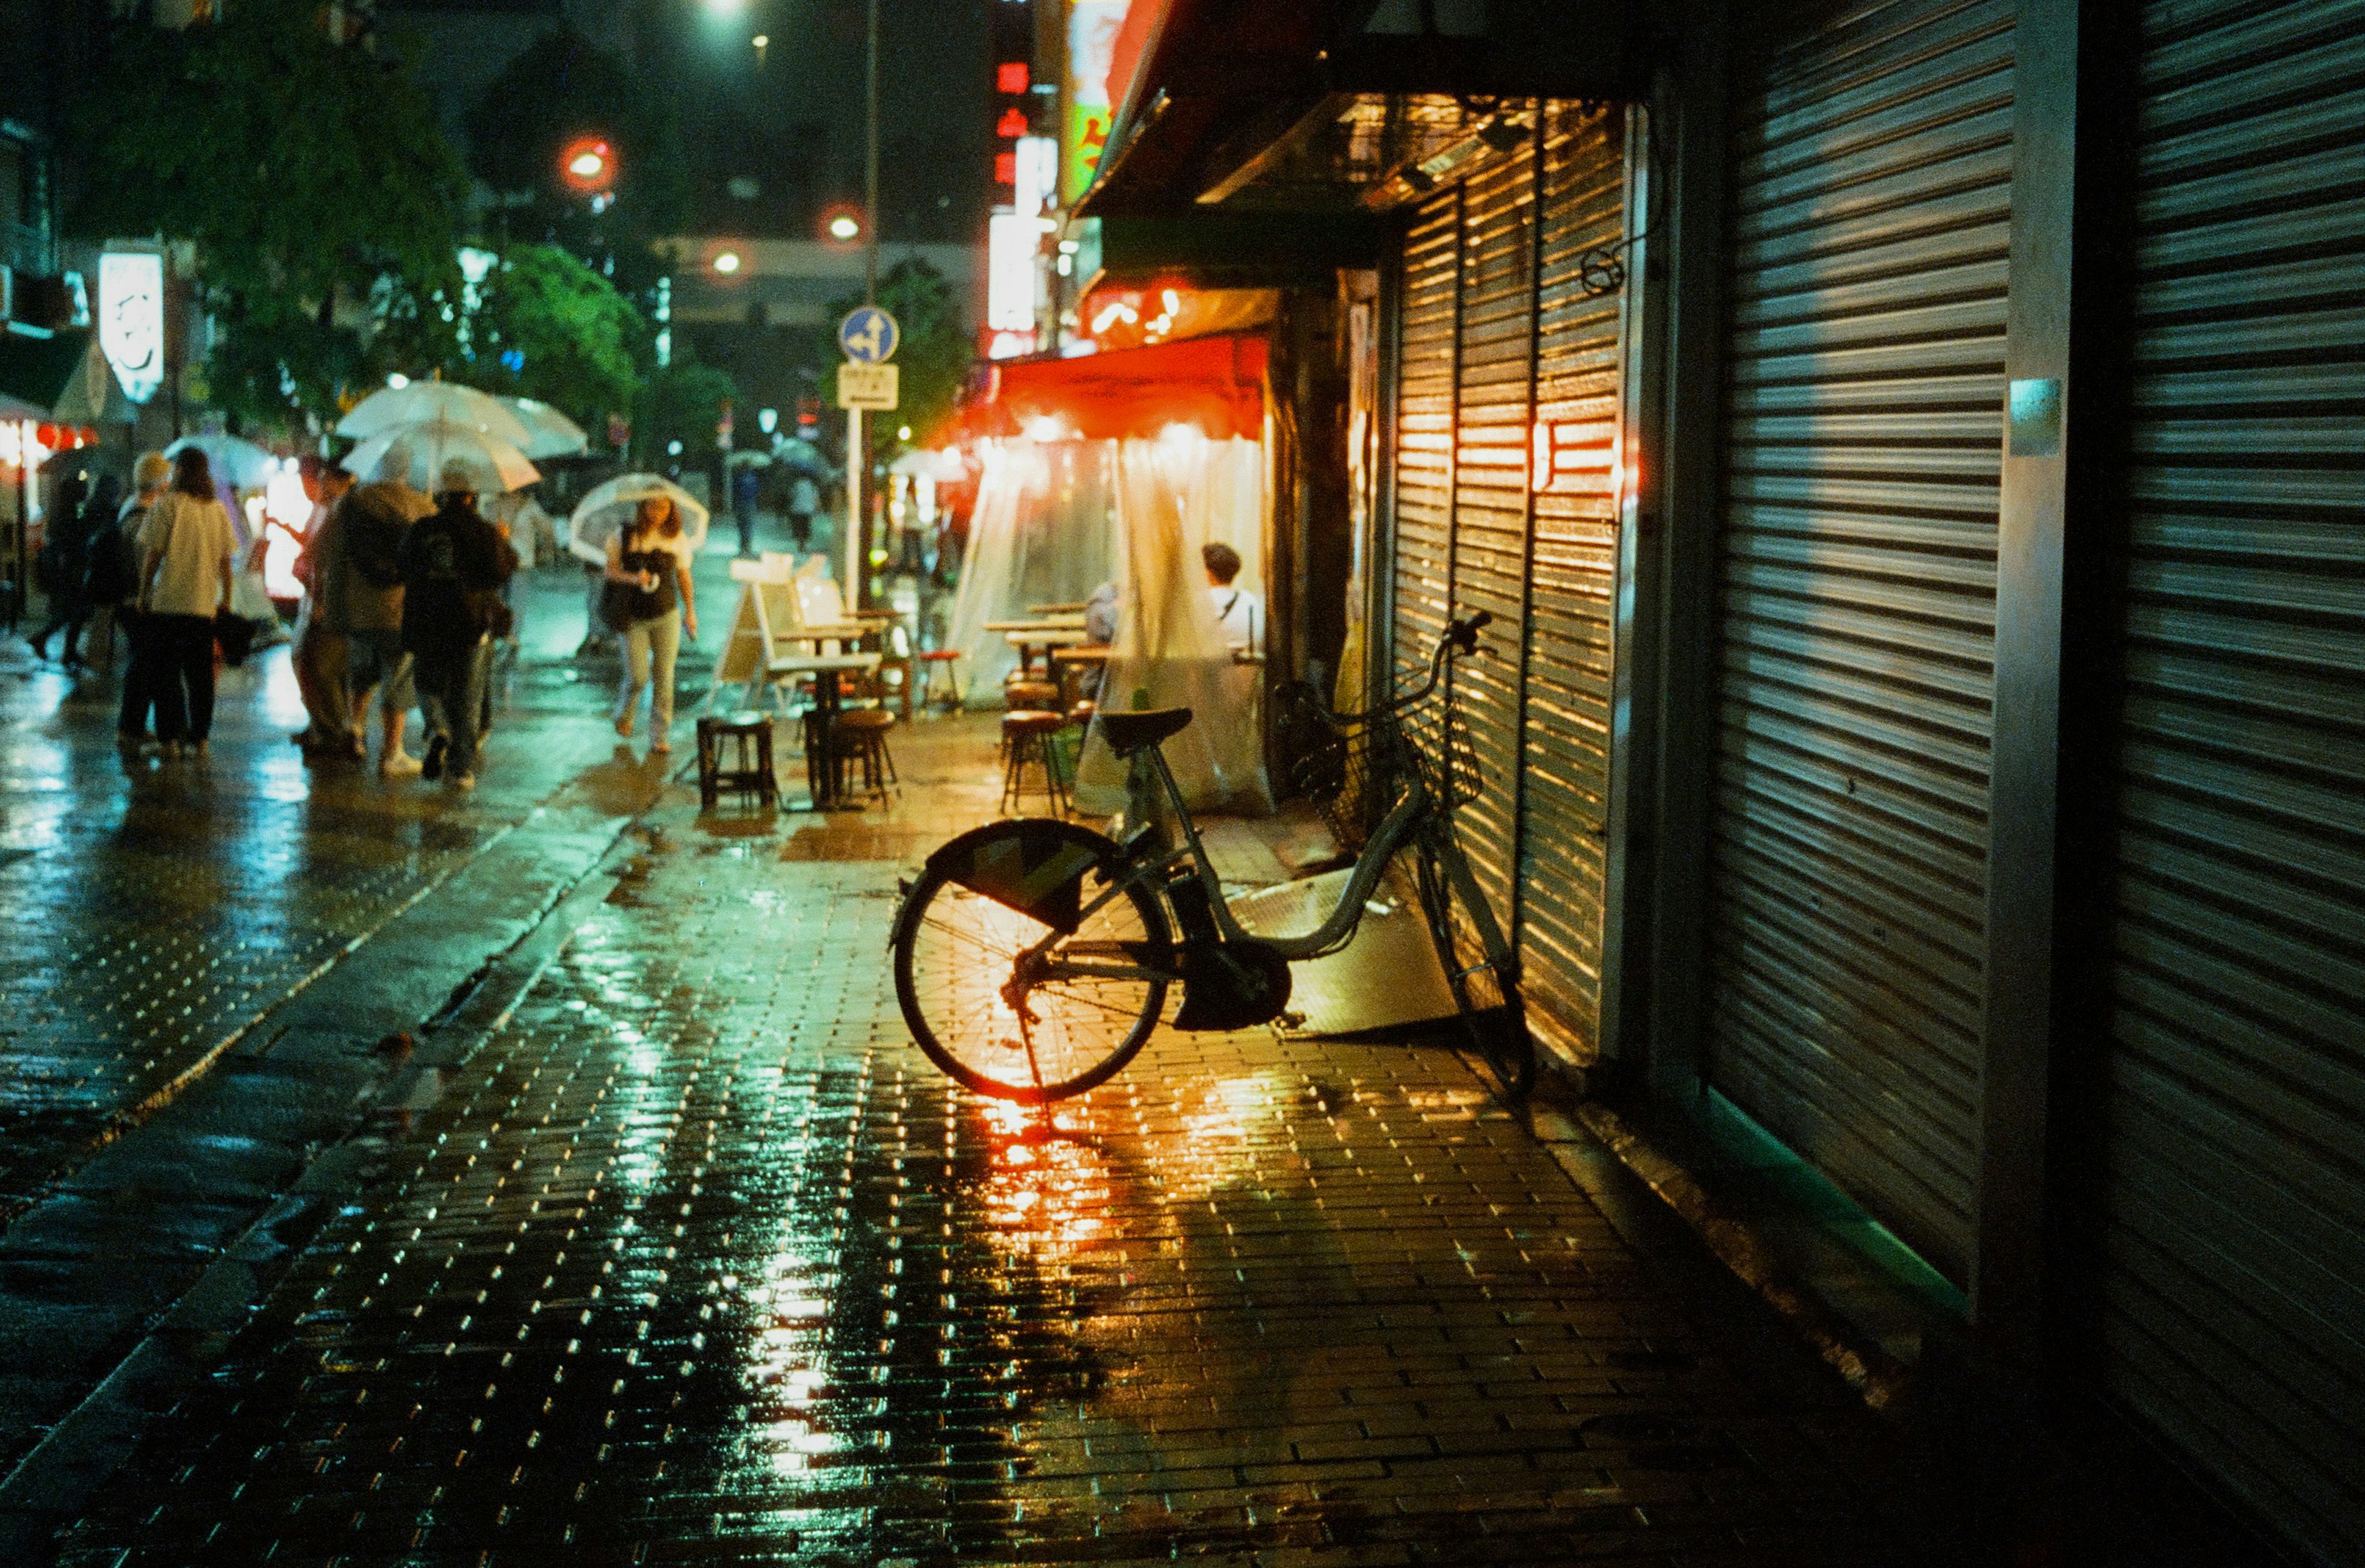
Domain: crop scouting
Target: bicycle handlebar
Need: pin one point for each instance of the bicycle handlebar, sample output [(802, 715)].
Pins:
[(1460, 640)]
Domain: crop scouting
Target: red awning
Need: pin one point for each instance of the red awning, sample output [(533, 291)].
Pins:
[(1216, 383)]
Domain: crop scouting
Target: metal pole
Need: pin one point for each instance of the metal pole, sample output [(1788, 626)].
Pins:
[(858, 467), (870, 164), (855, 465)]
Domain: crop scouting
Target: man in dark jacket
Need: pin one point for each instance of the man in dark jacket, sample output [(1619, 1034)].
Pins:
[(453, 565)]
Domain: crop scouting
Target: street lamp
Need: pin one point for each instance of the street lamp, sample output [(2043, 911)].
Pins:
[(727, 263), (844, 225), (587, 165)]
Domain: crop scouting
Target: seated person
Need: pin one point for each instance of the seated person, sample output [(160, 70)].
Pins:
[(1239, 612)]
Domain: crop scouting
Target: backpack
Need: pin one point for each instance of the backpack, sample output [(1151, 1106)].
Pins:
[(114, 573), (372, 541)]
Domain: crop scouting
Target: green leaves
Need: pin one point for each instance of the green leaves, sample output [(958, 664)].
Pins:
[(307, 174), (551, 328)]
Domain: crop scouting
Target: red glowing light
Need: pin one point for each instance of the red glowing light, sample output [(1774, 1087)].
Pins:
[(1012, 123), (587, 165), (1005, 168), (1010, 76)]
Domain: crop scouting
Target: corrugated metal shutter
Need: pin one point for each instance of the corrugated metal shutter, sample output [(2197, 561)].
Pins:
[(1869, 245), (1423, 538), (1490, 502), (2233, 1283), (1573, 561)]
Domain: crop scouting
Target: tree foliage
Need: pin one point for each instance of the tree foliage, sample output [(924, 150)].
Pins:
[(322, 197), (549, 327), (935, 350), (561, 88), (682, 402)]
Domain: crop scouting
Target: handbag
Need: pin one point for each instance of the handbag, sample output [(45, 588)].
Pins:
[(235, 633), (620, 605)]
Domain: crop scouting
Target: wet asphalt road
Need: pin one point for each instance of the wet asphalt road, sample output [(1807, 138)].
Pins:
[(677, 1252)]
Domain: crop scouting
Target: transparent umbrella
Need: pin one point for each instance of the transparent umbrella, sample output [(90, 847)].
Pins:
[(601, 514), (553, 433), (423, 400), (241, 465), (437, 441)]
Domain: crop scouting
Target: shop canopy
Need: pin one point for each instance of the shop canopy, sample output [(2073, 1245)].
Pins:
[(60, 377), (1214, 384)]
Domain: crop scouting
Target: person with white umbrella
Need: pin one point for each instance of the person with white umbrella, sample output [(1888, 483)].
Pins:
[(648, 601), (454, 565), (360, 578)]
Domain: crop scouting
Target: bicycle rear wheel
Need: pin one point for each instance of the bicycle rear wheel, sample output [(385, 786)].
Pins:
[(958, 954), (1493, 1015)]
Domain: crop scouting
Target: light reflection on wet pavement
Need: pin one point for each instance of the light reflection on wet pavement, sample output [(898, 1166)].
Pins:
[(699, 1261)]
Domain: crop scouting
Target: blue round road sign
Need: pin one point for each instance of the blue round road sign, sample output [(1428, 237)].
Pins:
[(867, 335)]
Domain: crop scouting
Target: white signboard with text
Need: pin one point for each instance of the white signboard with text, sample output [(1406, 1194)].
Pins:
[(131, 319)]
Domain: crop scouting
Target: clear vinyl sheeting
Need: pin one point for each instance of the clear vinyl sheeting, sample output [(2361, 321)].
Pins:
[(1176, 494), (1055, 519)]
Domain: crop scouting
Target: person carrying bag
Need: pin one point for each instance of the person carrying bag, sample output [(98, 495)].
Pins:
[(187, 569)]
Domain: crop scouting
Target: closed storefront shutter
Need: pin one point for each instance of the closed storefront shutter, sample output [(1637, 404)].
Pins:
[(1490, 502), (1573, 570), (2233, 1299), (1869, 239), (1423, 534)]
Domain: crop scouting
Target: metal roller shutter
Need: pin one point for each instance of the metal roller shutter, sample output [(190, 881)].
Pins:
[(1869, 241), (2233, 1291), (1423, 539), (1490, 502), (1572, 576)]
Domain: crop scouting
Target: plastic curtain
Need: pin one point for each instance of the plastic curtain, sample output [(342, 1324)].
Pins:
[(1044, 531), (1174, 494)]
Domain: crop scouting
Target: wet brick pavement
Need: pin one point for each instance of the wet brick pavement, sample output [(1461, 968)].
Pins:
[(697, 1262), (149, 914)]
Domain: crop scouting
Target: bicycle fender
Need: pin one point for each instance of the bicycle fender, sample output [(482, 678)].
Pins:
[(1034, 866)]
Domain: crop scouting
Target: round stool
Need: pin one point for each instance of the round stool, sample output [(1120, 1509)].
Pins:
[(935, 659), (1081, 713), (1031, 696), (860, 735), (1026, 739), (749, 735)]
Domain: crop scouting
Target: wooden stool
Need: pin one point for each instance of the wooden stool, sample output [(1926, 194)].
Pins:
[(1031, 696), (1081, 713), (1026, 738), (750, 734), (935, 659), (860, 733)]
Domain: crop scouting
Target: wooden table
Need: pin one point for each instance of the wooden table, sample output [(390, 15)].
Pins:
[(1058, 609), (1058, 631), (1072, 662), (821, 763)]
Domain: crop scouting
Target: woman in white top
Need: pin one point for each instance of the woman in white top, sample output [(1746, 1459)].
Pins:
[(187, 548), (649, 603)]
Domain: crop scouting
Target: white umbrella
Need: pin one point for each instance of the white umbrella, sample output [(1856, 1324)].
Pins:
[(921, 463), (241, 465), (438, 442), (748, 460), (797, 454), (423, 400), (552, 434), (601, 514)]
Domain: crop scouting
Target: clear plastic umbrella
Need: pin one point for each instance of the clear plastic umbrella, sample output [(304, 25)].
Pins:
[(241, 465), (601, 514), (553, 433), (438, 442), (423, 400)]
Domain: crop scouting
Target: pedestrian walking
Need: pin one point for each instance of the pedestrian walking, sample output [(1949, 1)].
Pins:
[(454, 565), (745, 486), (187, 561), (361, 598), (320, 657), (120, 553), (649, 600), (59, 569), (804, 499)]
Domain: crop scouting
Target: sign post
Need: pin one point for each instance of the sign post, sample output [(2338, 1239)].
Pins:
[(869, 336)]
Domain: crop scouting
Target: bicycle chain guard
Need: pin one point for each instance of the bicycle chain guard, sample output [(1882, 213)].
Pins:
[(1231, 985)]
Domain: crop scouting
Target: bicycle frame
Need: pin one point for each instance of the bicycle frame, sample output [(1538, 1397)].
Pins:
[(1416, 815)]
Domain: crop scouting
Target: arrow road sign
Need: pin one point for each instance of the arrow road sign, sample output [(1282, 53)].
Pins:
[(869, 335)]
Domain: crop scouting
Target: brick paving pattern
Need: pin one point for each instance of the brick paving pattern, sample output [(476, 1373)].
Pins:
[(700, 1262)]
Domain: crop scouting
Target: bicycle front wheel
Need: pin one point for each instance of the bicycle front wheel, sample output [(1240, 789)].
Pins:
[(1493, 1015), (990, 1000)]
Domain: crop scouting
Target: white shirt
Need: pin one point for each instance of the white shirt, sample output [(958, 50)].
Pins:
[(1241, 613), (186, 548)]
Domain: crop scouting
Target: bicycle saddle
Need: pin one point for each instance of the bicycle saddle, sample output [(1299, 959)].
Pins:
[(1130, 733)]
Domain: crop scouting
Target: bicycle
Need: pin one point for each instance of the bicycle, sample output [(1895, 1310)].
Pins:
[(1033, 957)]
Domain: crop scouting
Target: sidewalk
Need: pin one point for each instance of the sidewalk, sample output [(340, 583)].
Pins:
[(695, 1258)]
